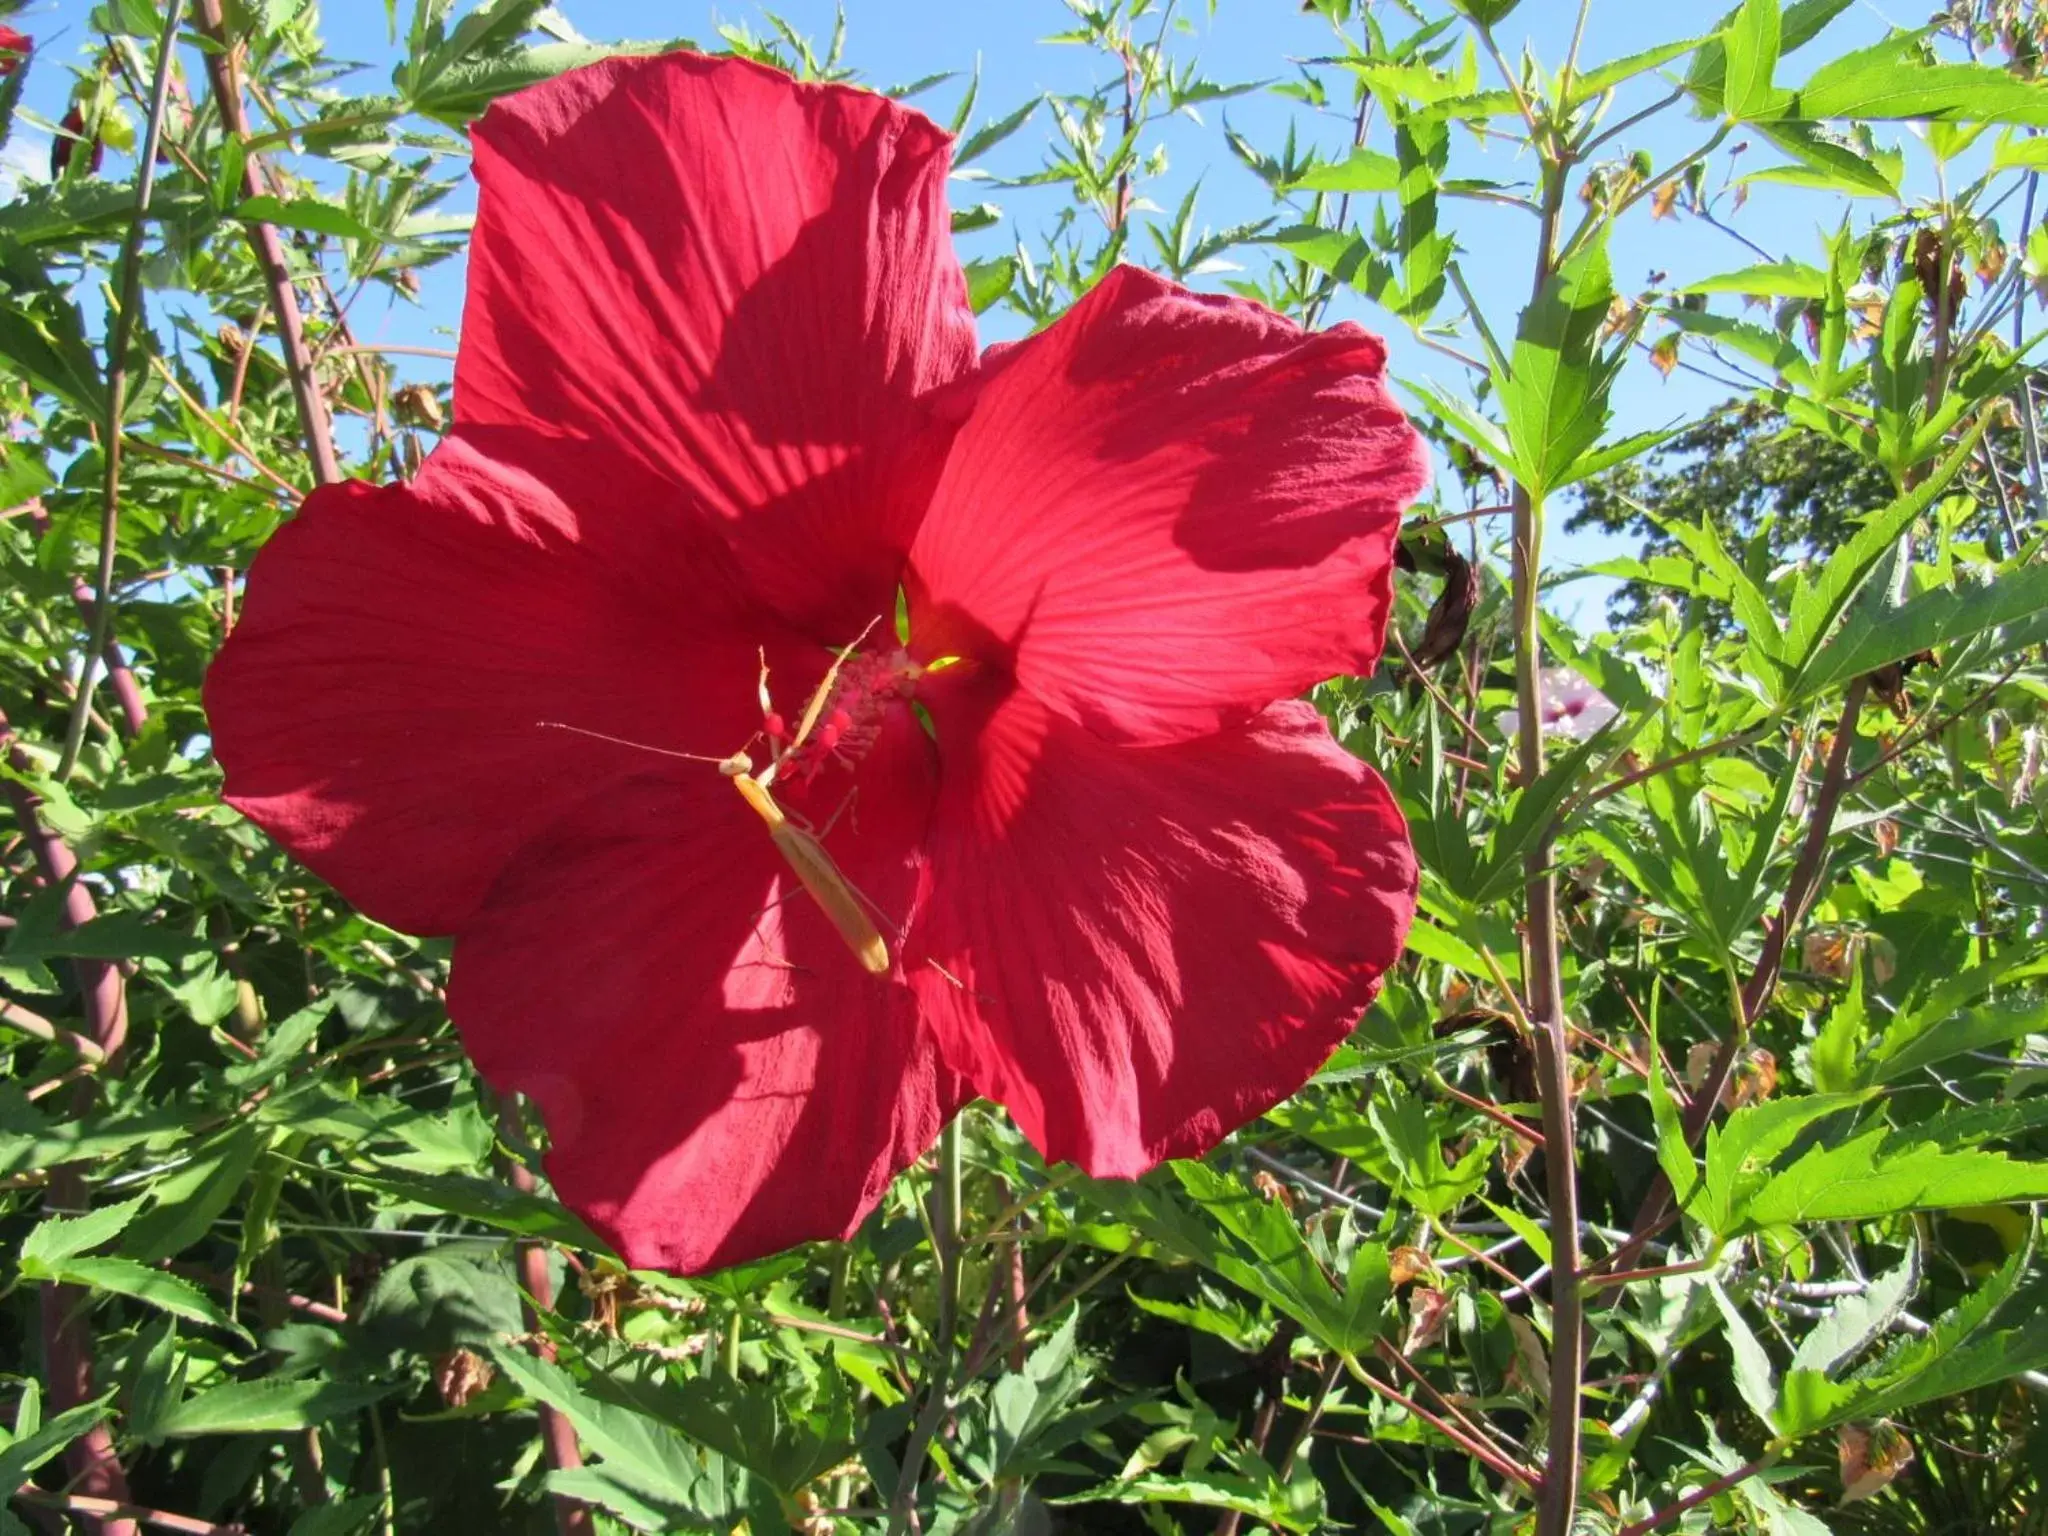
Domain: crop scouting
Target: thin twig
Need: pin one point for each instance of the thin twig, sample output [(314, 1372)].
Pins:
[(1483, 1454), (123, 328), (1804, 884), (1698, 1496), (111, 1512), (35, 1025), (314, 425)]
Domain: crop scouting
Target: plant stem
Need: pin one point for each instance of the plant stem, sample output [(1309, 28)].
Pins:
[(1698, 1497), (94, 1464), (558, 1436), (123, 328), (119, 1514), (263, 239), (945, 1219), (1545, 986), (1763, 980)]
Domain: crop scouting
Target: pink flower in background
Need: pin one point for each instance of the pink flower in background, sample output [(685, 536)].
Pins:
[(1571, 707)]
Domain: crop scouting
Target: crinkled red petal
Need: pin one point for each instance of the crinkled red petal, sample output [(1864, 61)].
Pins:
[(745, 283), (719, 1077), (1167, 510), (1143, 948), (389, 705)]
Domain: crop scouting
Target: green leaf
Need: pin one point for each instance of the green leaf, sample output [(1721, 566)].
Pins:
[(1268, 1234), (1749, 1141), (1412, 1146), (1674, 1152), (1363, 170), (1536, 808), (125, 1277), (59, 1238), (486, 1201), (1605, 77), (1263, 1499), (1802, 22), (1933, 620), (1758, 343), (1920, 1039), (984, 139), (1755, 1378), (1464, 421), (268, 1405), (1889, 81), (989, 280), (1854, 1323), (1752, 42), (1484, 12), (1816, 607), (1829, 164), (313, 215), (112, 936), (46, 344), (596, 1485), (1773, 280), (647, 1456), (1858, 1180), (31, 1447), (1555, 395)]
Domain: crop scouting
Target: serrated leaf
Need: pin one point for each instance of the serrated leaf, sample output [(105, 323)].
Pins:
[(31, 1447), (1815, 608), (1854, 1323), (1888, 81), (1363, 170), (154, 1287), (1773, 279), (647, 1456), (1755, 1377), (1751, 41), (988, 281), (1555, 396), (268, 1405), (59, 1238), (1861, 1179), (1933, 620), (984, 139)]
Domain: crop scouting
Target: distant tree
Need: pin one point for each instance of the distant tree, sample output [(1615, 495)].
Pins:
[(1740, 467)]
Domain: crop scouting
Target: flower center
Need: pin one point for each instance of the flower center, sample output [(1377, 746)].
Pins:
[(842, 724)]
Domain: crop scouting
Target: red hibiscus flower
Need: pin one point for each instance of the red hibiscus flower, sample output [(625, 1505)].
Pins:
[(717, 406), (14, 47)]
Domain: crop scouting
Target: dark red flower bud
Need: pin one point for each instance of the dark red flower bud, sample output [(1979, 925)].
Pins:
[(62, 147), (1450, 614)]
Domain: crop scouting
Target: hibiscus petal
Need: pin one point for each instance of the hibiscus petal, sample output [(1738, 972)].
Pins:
[(744, 282), (719, 1078), (1139, 949), (1169, 509), (380, 706)]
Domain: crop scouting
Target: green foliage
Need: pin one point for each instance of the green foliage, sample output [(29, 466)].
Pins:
[(1792, 896)]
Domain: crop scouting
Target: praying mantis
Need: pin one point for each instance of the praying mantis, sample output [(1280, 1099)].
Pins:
[(800, 848)]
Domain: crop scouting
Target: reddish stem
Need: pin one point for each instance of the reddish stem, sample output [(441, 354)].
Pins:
[(558, 1436), (263, 239), (120, 676), (113, 1514), (67, 1343), (1804, 885), (1697, 1497)]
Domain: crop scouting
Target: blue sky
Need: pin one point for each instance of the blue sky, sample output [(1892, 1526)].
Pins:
[(891, 42)]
